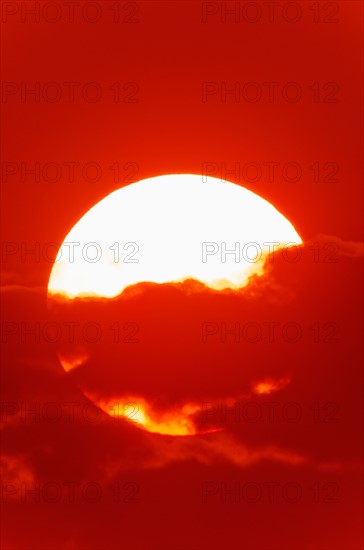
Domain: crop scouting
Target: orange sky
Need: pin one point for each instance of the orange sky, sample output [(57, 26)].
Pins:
[(293, 456)]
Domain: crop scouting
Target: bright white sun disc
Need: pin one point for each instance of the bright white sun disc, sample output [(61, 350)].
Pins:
[(170, 228)]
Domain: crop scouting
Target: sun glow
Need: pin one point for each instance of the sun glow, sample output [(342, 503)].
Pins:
[(269, 386), (71, 362), (168, 229), (138, 412)]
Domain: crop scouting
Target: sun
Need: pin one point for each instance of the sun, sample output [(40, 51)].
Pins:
[(167, 229), (162, 230)]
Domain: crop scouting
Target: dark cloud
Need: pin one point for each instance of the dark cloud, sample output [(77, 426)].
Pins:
[(284, 407)]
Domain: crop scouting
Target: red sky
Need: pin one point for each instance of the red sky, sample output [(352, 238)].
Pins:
[(168, 65)]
